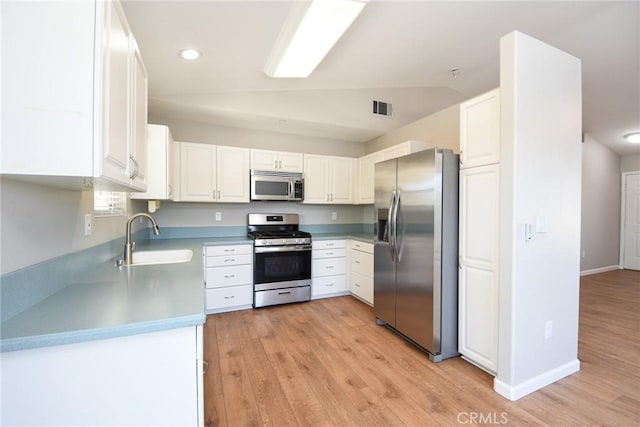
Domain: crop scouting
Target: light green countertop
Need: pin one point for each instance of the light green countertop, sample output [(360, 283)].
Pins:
[(109, 301)]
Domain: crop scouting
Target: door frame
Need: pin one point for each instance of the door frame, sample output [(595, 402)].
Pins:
[(623, 207)]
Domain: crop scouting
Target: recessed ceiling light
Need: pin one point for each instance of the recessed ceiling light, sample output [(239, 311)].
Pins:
[(633, 137), (189, 54)]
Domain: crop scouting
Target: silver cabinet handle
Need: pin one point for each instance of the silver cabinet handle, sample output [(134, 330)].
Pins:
[(229, 260), (205, 367), (328, 285), (229, 276), (230, 297), (357, 284), (229, 250), (218, 194), (328, 266), (328, 253), (357, 262), (329, 244)]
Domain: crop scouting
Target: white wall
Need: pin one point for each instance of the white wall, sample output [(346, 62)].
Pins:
[(221, 135), (442, 129), (541, 121), (235, 214), (38, 223), (600, 206), (630, 163)]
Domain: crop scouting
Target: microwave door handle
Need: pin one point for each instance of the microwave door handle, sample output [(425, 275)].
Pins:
[(291, 190)]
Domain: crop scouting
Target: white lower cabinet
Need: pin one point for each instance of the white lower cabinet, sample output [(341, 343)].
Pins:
[(144, 379), (361, 270), (328, 268), (228, 277), (478, 271)]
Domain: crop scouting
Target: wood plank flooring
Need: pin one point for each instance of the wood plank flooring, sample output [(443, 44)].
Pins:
[(326, 363)]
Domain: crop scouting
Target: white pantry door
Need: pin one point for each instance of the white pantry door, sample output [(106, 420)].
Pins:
[(632, 222)]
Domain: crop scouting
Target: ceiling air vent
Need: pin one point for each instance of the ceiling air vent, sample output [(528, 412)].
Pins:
[(381, 108)]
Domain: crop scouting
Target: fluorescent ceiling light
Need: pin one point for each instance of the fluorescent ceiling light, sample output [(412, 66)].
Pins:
[(633, 137), (310, 31), (189, 54)]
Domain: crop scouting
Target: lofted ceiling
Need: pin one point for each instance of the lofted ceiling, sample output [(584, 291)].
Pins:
[(396, 51)]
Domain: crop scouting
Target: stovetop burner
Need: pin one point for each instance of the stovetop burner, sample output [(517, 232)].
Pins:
[(276, 230)]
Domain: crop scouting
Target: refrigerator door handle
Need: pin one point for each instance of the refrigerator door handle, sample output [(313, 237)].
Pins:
[(391, 227), (398, 228)]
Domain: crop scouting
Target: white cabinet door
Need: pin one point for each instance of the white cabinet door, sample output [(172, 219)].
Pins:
[(48, 103), (116, 164), (281, 161), (365, 180), (264, 160), (328, 180), (139, 153), (316, 171), (341, 180), (232, 179), (478, 274), (480, 130), (197, 172), (159, 164), (291, 162)]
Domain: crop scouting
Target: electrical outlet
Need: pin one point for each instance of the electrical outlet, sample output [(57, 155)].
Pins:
[(548, 329), (87, 224), (218, 216), (334, 215)]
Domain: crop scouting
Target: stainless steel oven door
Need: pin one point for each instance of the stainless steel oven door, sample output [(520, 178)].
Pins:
[(277, 267)]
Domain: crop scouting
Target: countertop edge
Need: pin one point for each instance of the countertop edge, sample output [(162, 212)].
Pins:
[(78, 336)]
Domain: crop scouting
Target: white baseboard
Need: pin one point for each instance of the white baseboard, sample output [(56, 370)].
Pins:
[(599, 270), (535, 383)]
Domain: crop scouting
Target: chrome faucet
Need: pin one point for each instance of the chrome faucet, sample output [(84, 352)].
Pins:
[(128, 244)]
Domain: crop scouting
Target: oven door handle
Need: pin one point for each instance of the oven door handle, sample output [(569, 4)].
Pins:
[(292, 248)]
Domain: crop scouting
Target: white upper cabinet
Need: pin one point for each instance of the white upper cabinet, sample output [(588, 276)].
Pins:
[(159, 165), (281, 161), (328, 179), (232, 176), (210, 173), (68, 104), (365, 178), (139, 137), (480, 130)]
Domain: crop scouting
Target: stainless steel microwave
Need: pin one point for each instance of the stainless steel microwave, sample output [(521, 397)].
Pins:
[(271, 185)]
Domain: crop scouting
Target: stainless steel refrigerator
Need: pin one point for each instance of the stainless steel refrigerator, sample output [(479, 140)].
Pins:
[(416, 249)]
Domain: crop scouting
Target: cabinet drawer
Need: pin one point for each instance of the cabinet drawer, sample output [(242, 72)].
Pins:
[(227, 250), (328, 267), (329, 244), (328, 253), (329, 285), (221, 261), (362, 262), (219, 277), (362, 286), (228, 297), (362, 246)]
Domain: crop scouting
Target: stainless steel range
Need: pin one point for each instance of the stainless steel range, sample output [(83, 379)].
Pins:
[(281, 259)]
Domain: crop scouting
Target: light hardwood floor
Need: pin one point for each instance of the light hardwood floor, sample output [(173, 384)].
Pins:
[(326, 363)]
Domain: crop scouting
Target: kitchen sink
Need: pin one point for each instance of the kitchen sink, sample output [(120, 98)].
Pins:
[(172, 256)]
